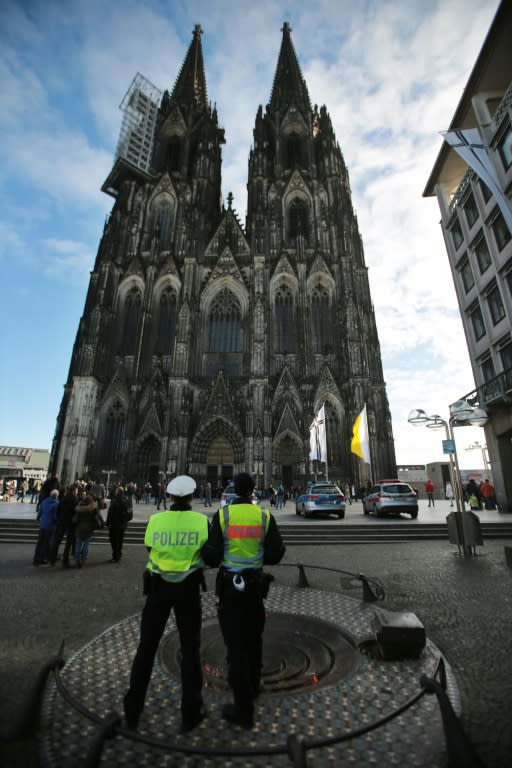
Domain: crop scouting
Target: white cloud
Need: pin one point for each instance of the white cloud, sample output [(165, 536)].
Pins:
[(67, 261)]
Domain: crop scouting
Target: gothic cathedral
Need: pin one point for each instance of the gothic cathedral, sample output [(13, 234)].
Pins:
[(206, 347)]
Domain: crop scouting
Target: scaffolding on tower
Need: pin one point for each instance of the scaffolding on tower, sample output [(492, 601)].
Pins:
[(140, 109)]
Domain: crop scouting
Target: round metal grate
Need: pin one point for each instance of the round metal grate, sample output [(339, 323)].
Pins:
[(299, 653)]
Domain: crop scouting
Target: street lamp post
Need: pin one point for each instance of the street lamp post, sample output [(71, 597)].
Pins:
[(461, 414), (478, 446)]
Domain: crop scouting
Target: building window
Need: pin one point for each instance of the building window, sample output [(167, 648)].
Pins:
[(506, 363), (496, 308), (505, 148), (477, 321), (487, 368), (466, 274), (501, 231), (285, 321), (294, 152), (132, 309), (482, 254), (486, 192), (298, 220), (163, 216), (320, 320), (456, 233), (471, 211), (113, 434), (224, 324), (508, 279), (166, 323)]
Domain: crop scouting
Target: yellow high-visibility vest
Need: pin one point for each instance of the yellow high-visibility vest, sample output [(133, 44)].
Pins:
[(244, 527), (175, 539)]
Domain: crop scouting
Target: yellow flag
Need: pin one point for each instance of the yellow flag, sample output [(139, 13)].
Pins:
[(360, 441)]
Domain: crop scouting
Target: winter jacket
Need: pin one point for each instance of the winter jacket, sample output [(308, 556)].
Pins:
[(84, 519), (48, 513)]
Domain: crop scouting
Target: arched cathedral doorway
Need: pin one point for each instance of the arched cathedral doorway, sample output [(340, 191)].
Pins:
[(288, 465), (219, 462)]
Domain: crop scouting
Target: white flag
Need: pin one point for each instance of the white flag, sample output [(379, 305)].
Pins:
[(468, 144), (318, 437), (360, 441)]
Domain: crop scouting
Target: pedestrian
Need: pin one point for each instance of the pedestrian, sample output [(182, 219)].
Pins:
[(118, 516), (34, 491), (348, 496), (474, 502), (449, 493), (172, 581), (208, 495), (242, 538), (84, 519), (472, 489), (160, 497), (429, 489), (65, 527), (487, 493), (47, 517), (280, 496), (22, 489)]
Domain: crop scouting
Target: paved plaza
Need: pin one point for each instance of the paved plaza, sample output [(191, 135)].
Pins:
[(465, 605)]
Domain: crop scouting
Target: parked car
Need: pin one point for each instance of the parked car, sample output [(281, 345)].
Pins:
[(320, 499), (389, 497), (229, 494)]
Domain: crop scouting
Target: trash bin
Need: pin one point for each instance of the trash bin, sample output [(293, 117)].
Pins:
[(465, 531)]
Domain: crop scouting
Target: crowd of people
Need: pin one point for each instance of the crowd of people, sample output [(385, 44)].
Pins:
[(71, 514)]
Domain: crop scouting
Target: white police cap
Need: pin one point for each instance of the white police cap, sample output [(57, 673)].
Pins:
[(183, 485)]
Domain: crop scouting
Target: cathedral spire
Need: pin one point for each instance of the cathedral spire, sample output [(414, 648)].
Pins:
[(190, 86), (289, 86)]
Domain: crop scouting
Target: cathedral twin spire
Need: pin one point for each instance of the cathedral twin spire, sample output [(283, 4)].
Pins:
[(289, 86), (190, 86)]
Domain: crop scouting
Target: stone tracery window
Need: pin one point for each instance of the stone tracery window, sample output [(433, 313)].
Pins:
[(298, 219), (295, 156), (320, 319), (286, 333), (132, 311), (174, 154), (162, 219), (224, 334), (166, 323), (113, 433)]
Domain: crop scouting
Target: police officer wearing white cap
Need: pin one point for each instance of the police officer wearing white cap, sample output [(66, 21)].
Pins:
[(172, 580)]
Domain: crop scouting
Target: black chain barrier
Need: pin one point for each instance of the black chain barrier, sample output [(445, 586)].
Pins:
[(461, 753)]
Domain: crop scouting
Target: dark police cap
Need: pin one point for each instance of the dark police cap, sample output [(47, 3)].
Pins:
[(244, 484)]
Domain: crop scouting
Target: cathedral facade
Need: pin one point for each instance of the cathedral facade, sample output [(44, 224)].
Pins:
[(206, 346)]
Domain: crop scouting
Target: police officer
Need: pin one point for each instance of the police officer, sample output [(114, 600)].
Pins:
[(241, 539), (172, 580)]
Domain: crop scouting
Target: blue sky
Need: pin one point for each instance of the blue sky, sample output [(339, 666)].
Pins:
[(390, 72)]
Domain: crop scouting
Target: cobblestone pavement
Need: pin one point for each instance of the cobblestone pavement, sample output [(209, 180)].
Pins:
[(464, 603)]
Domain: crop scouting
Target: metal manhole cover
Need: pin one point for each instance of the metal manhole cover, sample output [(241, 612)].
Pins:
[(299, 652)]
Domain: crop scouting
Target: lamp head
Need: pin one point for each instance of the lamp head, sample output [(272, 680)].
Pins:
[(417, 416), (461, 410), (478, 418), (435, 422)]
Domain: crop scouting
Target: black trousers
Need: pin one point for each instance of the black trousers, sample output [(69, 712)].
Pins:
[(185, 600), (242, 620), (59, 532), (116, 536)]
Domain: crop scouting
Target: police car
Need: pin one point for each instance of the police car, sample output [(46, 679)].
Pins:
[(391, 497), (229, 494), (322, 498)]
